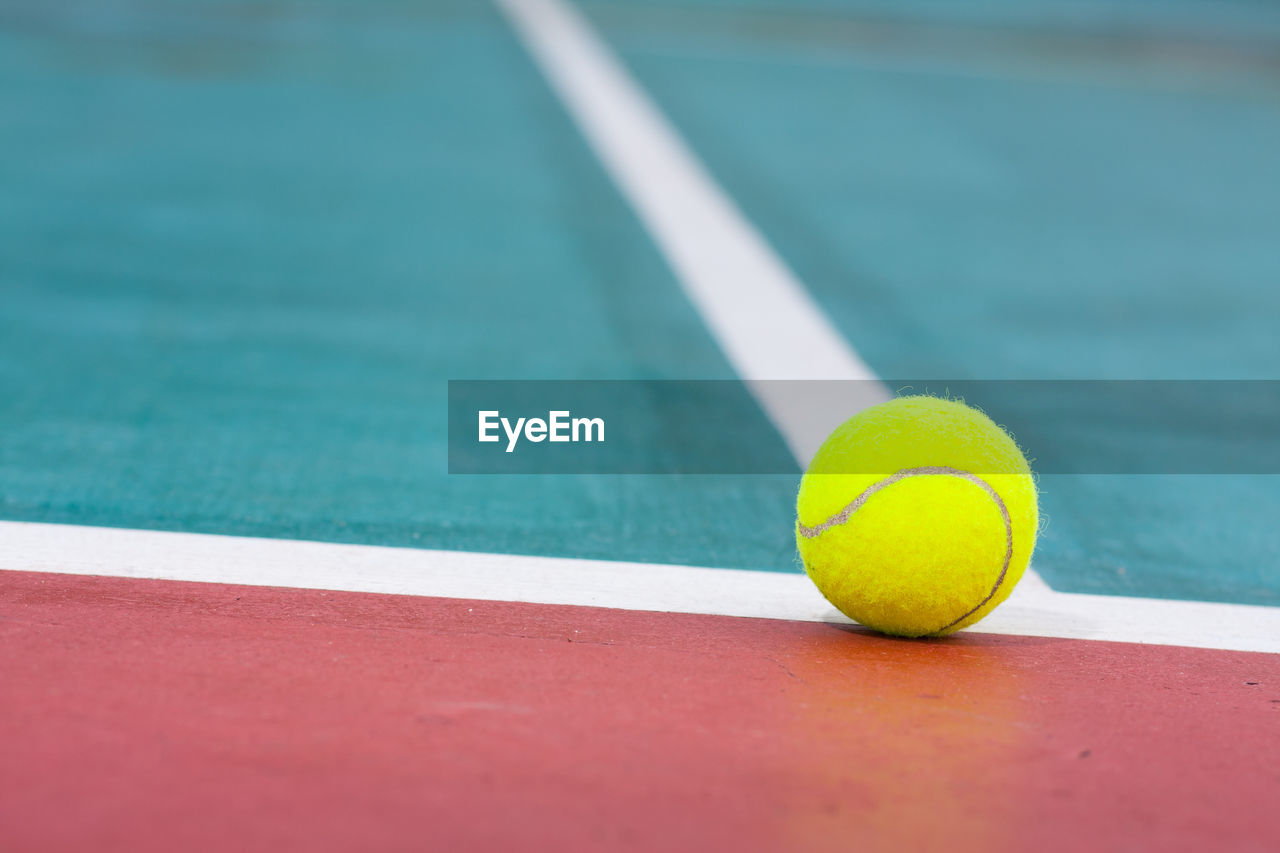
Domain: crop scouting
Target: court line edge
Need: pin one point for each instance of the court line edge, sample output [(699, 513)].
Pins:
[(1033, 610)]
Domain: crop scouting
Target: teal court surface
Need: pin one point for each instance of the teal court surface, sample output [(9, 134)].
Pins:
[(245, 247)]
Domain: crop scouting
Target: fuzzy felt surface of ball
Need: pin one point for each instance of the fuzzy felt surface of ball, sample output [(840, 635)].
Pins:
[(917, 516)]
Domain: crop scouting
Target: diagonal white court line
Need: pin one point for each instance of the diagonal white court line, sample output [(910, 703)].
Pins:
[(762, 317), (1032, 610), (757, 310)]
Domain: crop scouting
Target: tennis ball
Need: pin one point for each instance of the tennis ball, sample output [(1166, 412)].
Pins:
[(917, 516)]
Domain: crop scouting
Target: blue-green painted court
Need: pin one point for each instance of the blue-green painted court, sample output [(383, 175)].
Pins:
[(244, 246)]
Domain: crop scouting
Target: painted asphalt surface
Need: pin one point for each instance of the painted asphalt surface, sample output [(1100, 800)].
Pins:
[(247, 245)]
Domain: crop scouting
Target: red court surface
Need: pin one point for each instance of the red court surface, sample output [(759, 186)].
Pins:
[(154, 715)]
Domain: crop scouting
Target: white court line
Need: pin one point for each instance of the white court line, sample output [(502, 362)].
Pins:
[(1032, 610), (762, 317)]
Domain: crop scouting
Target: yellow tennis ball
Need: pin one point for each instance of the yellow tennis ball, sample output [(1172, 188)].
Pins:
[(917, 516)]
